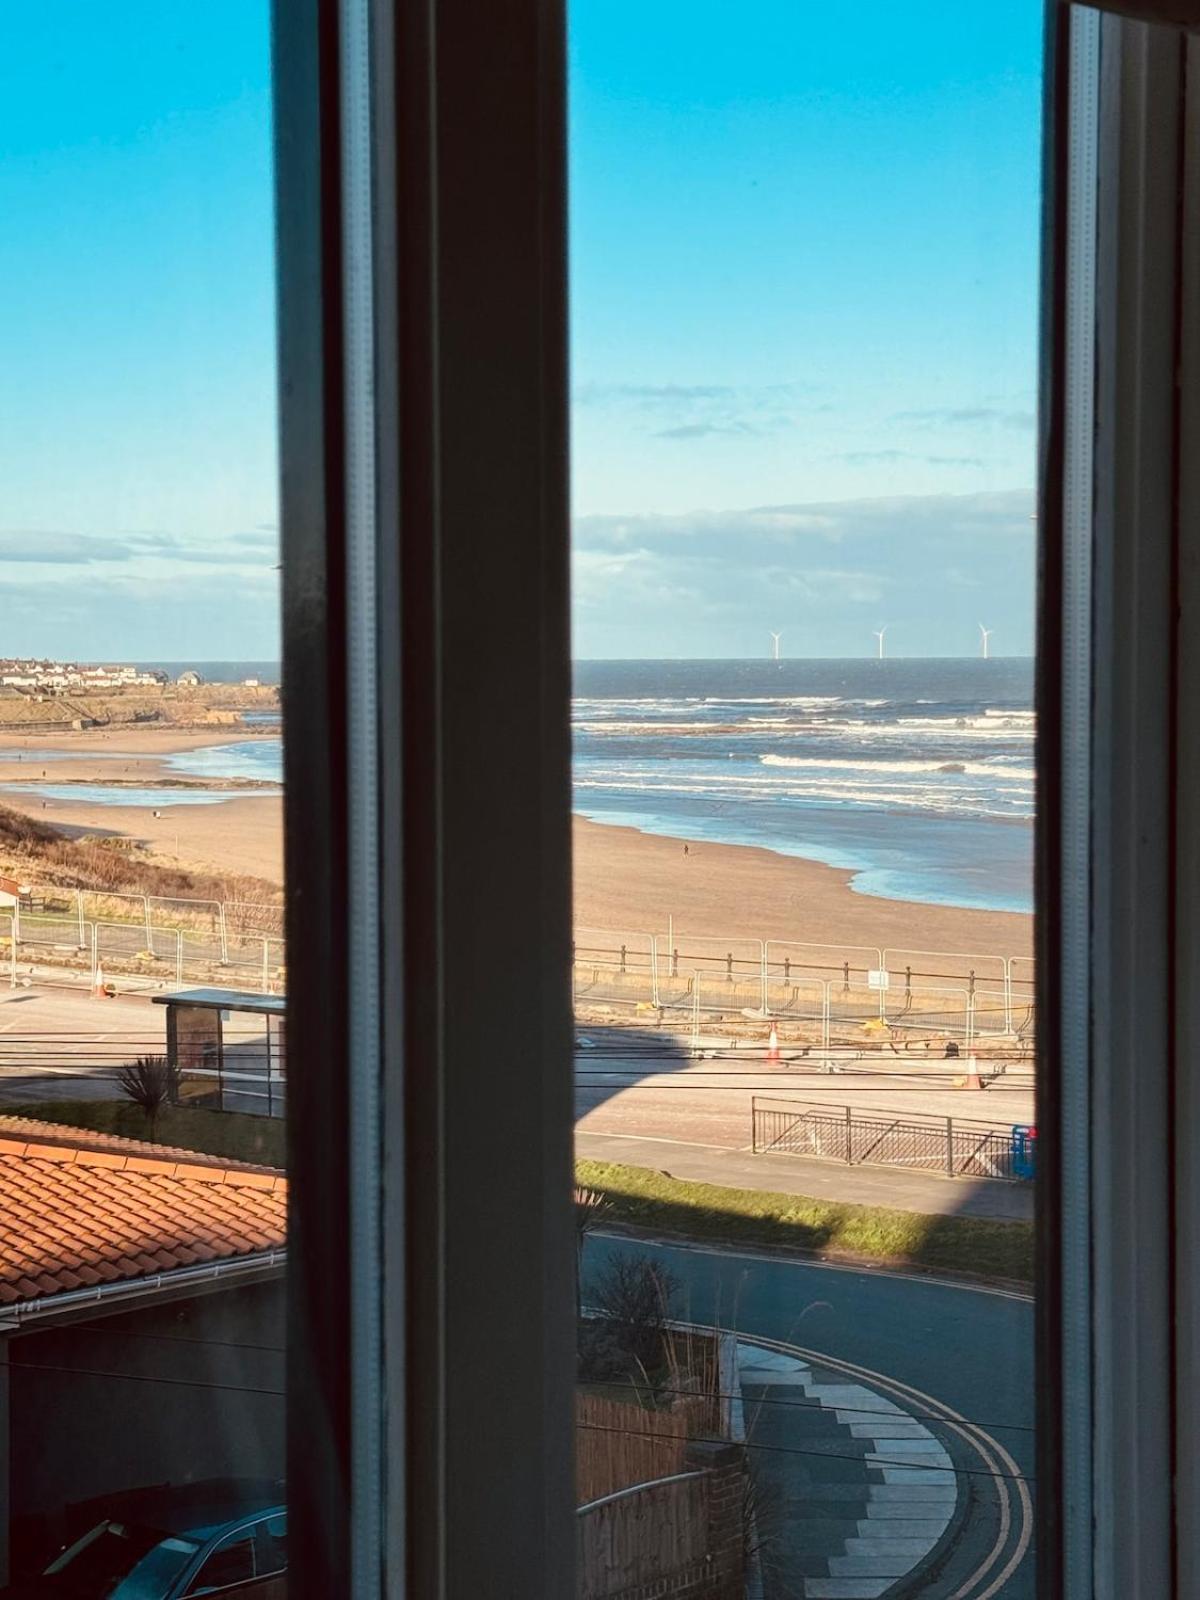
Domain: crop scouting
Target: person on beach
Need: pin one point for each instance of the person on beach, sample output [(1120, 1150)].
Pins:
[(685, 849)]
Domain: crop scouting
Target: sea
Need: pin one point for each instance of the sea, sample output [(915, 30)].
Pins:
[(916, 777)]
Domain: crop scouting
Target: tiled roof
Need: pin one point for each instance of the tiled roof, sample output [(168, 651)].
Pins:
[(29, 1129), (77, 1214)]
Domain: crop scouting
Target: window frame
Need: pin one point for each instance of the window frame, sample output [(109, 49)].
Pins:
[(421, 160), (421, 217), (1118, 845)]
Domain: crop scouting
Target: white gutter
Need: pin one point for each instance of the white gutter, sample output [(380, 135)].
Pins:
[(102, 1295)]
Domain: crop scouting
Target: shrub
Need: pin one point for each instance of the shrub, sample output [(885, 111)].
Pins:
[(634, 1295), (150, 1082), (603, 1358)]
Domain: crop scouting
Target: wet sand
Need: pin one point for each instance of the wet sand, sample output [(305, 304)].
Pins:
[(118, 756), (625, 881)]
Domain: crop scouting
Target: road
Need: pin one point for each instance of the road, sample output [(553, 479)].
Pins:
[(934, 1348), (56, 1044), (642, 1097)]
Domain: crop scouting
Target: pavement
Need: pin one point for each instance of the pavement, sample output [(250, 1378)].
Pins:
[(893, 1187), (889, 1422)]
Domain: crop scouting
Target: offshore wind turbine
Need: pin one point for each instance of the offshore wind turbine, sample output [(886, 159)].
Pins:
[(879, 633), (984, 635), (775, 638)]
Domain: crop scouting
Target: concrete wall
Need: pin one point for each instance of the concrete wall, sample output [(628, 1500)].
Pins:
[(167, 1393)]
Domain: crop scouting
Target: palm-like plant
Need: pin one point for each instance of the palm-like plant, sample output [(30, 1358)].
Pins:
[(150, 1082)]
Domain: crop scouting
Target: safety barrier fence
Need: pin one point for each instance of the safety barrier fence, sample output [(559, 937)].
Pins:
[(955, 1146), (135, 956), (160, 942), (975, 996)]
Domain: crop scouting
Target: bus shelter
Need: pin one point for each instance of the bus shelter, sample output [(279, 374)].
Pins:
[(229, 1049)]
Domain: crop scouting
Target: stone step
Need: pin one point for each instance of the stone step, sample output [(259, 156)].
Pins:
[(930, 1528), (942, 1487), (846, 1588)]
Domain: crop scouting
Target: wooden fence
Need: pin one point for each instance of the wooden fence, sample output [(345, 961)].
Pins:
[(635, 1539), (619, 1443)]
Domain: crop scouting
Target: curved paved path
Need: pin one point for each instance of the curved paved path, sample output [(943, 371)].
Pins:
[(958, 1358)]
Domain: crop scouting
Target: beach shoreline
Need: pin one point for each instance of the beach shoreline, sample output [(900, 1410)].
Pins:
[(626, 881), (75, 744)]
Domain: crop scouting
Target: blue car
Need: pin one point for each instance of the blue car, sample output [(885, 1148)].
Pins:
[(218, 1536)]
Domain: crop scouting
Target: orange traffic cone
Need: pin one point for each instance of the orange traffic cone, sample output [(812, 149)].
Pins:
[(98, 983), (773, 1045), (974, 1081)]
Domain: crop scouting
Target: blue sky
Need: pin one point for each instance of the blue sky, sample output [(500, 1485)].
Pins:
[(805, 262), (804, 327), (138, 515)]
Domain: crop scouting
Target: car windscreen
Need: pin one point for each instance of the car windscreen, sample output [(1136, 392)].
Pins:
[(121, 1561)]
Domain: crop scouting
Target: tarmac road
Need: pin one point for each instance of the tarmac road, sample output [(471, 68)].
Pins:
[(957, 1357)]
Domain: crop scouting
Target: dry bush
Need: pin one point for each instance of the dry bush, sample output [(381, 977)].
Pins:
[(50, 859)]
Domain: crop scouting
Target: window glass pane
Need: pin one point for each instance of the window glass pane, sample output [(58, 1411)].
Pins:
[(143, 1077), (804, 283), (231, 1562), (270, 1546)]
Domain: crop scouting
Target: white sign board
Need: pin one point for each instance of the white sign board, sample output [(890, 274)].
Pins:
[(878, 978)]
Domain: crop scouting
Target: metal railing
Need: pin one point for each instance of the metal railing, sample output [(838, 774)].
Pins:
[(770, 977), (955, 1146), (136, 956)]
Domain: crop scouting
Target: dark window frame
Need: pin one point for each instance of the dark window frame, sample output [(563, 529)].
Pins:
[(468, 1243), (469, 1333)]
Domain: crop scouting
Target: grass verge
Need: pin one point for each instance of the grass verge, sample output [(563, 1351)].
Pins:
[(232, 1135), (642, 1198)]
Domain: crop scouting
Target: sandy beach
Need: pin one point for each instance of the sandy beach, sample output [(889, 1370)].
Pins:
[(234, 836), (114, 756), (76, 745), (624, 879)]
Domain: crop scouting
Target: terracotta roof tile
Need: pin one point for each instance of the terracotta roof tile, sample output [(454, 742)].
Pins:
[(73, 1215), (17, 1132)]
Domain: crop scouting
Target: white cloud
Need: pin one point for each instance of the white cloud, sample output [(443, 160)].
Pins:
[(701, 582)]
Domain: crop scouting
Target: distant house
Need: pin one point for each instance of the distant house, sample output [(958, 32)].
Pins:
[(190, 679), (142, 1322), (13, 892)]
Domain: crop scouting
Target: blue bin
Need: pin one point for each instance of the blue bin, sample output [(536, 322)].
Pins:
[(1024, 1152)]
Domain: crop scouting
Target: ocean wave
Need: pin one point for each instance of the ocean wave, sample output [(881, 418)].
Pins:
[(935, 728), (969, 769), (939, 801)]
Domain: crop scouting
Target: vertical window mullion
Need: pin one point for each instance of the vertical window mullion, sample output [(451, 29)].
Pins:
[(1074, 887)]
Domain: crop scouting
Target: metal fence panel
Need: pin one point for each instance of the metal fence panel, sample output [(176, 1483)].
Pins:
[(733, 996), (253, 918), (942, 1013), (734, 960), (57, 933), (595, 984), (839, 963), (946, 969), (955, 1146), (798, 998)]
